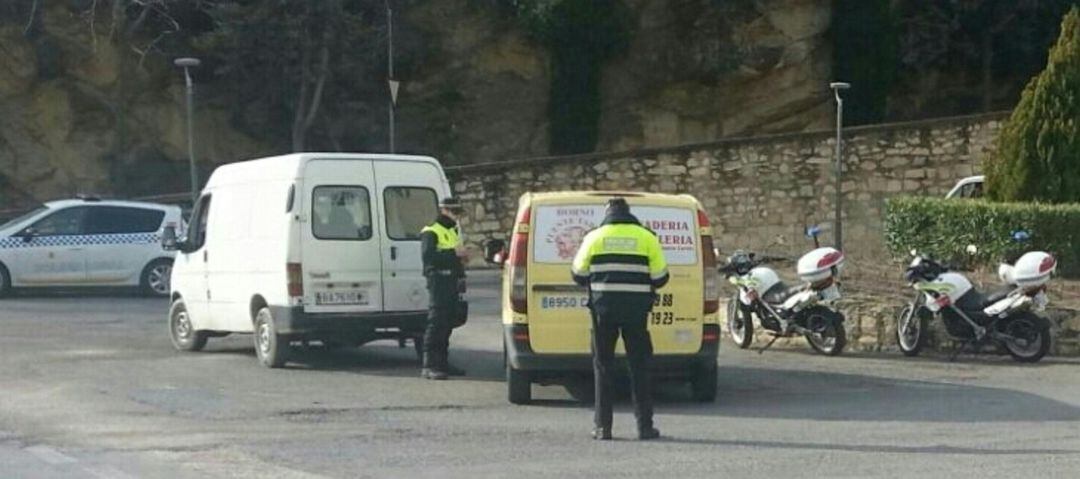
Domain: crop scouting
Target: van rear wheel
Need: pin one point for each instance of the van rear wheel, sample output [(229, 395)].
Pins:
[(270, 347), (518, 385)]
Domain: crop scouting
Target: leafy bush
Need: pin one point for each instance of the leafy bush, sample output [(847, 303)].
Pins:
[(945, 227), (1038, 155)]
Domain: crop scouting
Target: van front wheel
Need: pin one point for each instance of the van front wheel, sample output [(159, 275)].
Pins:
[(518, 386), (182, 332), (270, 347)]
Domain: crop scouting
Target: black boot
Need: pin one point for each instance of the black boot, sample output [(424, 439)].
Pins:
[(602, 434), (647, 433)]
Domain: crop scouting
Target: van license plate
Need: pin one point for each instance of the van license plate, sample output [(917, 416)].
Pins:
[(338, 298), (563, 302)]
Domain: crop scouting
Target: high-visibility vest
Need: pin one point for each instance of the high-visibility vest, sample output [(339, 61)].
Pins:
[(448, 238), (621, 258)]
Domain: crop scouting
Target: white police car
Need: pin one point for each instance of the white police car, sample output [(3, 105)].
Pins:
[(88, 242)]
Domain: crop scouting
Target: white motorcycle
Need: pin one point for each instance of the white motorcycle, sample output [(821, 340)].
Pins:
[(806, 309), (1007, 317)]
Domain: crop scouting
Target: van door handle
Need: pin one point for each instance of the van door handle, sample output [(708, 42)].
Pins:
[(393, 253), (205, 256)]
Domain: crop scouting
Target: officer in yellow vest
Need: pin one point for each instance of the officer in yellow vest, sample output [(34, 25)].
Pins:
[(442, 256), (622, 264)]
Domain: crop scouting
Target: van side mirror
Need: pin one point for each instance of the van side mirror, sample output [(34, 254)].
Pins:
[(168, 239), (495, 251)]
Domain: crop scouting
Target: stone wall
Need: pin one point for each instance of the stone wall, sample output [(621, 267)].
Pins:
[(754, 189)]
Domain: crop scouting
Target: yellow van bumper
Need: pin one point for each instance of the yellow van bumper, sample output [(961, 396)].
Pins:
[(521, 357)]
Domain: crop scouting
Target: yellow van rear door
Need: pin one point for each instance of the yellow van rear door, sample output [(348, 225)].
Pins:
[(559, 321)]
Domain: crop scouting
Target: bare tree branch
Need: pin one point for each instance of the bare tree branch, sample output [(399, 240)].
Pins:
[(32, 22)]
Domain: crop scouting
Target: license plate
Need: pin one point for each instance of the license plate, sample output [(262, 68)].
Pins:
[(563, 302), (340, 298), (830, 294)]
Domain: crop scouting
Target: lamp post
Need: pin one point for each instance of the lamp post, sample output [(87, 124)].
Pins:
[(187, 63), (390, 69), (837, 222)]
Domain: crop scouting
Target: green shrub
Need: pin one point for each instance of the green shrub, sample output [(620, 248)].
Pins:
[(945, 227), (1038, 155)]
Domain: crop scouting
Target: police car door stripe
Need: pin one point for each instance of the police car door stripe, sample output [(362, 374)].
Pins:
[(621, 288), (619, 268)]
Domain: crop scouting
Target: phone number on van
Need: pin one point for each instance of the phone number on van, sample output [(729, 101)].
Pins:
[(563, 302)]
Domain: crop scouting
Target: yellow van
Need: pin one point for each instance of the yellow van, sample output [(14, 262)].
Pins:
[(545, 317)]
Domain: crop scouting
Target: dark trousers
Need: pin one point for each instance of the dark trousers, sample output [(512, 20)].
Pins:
[(632, 325), (443, 292)]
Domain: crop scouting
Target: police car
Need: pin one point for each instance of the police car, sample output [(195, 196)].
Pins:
[(88, 242)]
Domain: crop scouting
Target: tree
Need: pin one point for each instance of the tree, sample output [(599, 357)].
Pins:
[(580, 35), (991, 37), (1038, 157), (287, 58)]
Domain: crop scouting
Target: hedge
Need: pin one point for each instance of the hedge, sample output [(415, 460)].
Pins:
[(945, 227)]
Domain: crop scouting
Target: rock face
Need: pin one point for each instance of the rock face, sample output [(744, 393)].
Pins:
[(81, 113), (700, 70), (89, 119)]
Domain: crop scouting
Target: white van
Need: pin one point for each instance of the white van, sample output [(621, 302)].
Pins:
[(312, 246)]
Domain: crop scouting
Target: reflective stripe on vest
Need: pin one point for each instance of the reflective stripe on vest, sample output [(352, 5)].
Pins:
[(618, 258), (447, 238)]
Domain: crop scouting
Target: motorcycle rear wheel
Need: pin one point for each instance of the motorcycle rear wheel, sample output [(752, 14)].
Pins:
[(828, 335), (1034, 334)]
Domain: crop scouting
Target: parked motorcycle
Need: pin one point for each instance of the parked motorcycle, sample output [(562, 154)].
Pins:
[(806, 309), (1007, 317)]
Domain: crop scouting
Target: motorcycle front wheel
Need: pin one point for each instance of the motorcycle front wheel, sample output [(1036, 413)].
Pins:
[(911, 330), (827, 334), (1029, 337), (740, 323)]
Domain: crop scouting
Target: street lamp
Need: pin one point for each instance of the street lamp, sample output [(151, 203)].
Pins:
[(187, 64), (390, 69), (837, 223)]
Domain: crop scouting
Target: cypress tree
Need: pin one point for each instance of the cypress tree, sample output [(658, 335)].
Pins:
[(1038, 155)]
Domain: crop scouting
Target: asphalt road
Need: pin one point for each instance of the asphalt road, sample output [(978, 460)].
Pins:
[(91, 388)]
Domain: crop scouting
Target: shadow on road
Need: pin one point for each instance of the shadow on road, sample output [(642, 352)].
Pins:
[(748, 392)]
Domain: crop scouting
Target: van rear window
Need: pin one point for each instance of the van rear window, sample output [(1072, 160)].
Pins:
[(559, 230), (341, 213)]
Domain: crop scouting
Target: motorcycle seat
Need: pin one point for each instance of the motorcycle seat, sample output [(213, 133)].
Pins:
[(780, 292), (975, 301)]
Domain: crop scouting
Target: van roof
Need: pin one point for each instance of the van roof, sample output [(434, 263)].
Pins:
[(288, 167), (603, 196)]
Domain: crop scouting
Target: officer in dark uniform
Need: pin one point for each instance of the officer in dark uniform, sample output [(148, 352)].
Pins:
[(622, 264), (442, 256)]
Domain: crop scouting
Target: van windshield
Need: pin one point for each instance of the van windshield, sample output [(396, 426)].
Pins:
[(559, 230)]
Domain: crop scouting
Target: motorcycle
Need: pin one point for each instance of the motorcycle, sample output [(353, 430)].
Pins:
[(806, 309), (1007, 317)]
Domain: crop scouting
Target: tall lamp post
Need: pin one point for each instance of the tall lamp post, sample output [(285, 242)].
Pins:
[(187, 64), (837, 221), (390, 69)]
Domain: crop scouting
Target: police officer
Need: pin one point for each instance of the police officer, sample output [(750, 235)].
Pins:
[(442, 256), (622, 264)]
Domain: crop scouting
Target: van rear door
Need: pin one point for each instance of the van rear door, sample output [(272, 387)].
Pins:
[(340, 241), (408, 197), (559, 322)]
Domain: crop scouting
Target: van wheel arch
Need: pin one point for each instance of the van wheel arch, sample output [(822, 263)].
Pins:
[(257, 303)]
